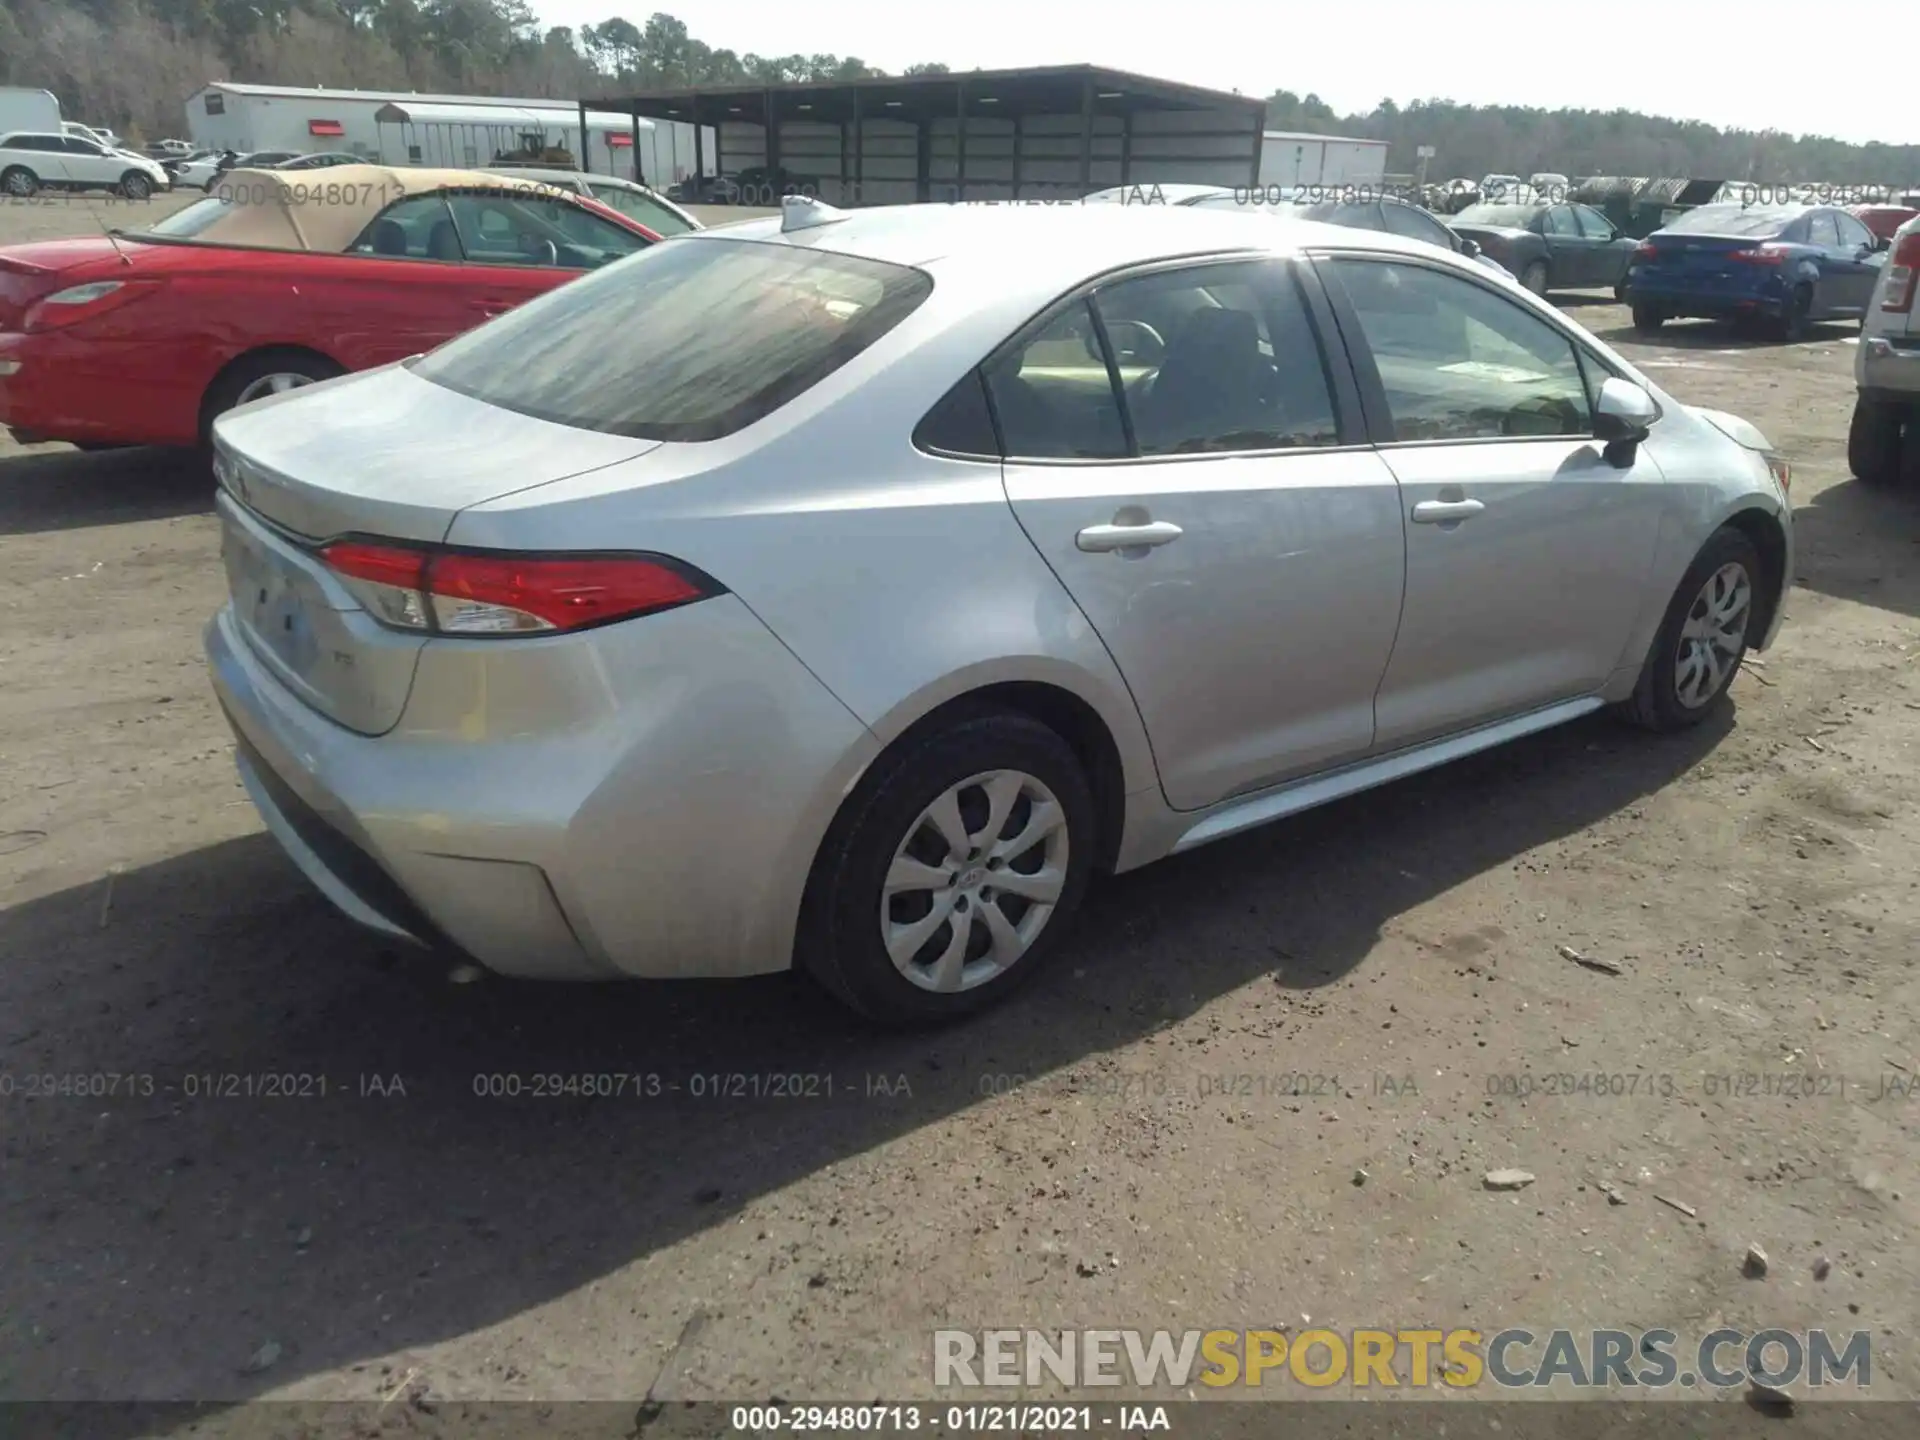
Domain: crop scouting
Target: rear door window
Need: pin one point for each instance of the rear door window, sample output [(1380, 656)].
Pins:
[(1218, 357), (1593, 224), (1053, 394), (1821, 231), (417, 228), (682, 342)]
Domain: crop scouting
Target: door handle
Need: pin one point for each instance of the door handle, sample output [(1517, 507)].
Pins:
[(1099, 539), (1445, 512), (491, 308)]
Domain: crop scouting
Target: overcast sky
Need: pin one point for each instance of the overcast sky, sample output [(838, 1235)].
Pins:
[(1691, 59)]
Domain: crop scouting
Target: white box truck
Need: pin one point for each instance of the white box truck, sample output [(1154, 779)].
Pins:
[(1288, 159), (23, 109)]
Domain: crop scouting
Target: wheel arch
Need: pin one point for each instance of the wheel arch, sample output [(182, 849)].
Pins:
[(220, 376), (1046, 698), (1769, 537)]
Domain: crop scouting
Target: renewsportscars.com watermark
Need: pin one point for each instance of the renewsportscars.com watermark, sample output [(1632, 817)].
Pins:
[(1511, 1359)]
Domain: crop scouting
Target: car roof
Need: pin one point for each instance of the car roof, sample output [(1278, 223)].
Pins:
[(274, 212), (1150, 191), (1045, 249)]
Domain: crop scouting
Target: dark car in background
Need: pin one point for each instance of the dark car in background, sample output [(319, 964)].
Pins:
[(323, 160), (1550, 247), (1384, 213), (1790, 265), (762, 185)]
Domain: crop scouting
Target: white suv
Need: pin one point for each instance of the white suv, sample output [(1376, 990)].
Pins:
[(30, 162), (1883, 443)]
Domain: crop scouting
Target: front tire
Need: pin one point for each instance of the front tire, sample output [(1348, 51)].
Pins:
[(1874, 441), (1534, 277), (135, 186), (1797, 317), (1703, 638), (19, 182), (952, 871)]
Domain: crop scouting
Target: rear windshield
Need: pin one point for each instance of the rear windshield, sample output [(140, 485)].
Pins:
[(1733, 220), (688, 340), (192, 220), (1516, 216)]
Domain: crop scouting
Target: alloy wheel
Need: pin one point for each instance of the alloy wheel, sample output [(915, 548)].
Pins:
[(975, 881), (1714, 636), (276, 384)]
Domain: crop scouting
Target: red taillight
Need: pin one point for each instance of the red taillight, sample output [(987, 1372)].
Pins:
[(84, 302), (1647, 251), (489, 593), (1760, 255), (1902, 266)]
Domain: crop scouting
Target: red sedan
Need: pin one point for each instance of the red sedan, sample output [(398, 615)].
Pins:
[(273, 281), (1883, 220)]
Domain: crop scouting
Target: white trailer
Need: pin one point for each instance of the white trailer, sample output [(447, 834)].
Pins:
[(454, 130), (33, 110), (1289, 159)]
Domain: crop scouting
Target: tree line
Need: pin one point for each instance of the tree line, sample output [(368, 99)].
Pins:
[(131, 64)]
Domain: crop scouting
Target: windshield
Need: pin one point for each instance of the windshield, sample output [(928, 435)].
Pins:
[(640, 206), (682, 342), (1516, 217), (192, 220), (1747, 222)]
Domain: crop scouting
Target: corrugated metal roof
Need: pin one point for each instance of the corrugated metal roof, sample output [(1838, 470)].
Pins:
[(419, 112), (1332, 139), (382, 97)]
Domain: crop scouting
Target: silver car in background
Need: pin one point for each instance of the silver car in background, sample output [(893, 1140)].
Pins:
[(842, 590), (1883, 440)]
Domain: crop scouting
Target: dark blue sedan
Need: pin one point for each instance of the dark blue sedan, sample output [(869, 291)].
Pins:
[(1789, 265)]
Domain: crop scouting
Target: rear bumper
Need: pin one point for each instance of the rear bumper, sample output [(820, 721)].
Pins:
[(54, 386), (1888, 368), (644, 799), (1687, 300)]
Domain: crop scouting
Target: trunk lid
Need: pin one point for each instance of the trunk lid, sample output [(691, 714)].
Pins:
[(1698, 254), (380, 454), (29, 272)]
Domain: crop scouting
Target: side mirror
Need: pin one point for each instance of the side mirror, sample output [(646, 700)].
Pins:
[(1883, 242), (1470, 248), (1623, 418)]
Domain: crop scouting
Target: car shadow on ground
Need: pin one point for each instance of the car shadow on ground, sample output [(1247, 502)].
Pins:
[(1862, 543), (1719, 335), (66, 489), (367, 1221)]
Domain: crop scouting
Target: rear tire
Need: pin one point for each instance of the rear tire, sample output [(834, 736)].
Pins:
[(886, 834), (19, 182), (1648, 319), (1798, 316), (1874, 441), (254, 376), (1702, 639)]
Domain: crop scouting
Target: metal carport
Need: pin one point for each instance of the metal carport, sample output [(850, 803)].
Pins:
[(1044, 133)]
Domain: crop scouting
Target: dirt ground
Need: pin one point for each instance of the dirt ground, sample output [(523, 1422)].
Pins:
[(1084, 1157)]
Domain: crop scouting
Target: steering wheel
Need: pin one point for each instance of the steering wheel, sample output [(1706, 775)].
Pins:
[(1145, 347)]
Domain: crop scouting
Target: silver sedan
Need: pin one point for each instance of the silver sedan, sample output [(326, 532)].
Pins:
[(842, 590)]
